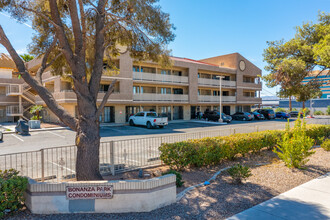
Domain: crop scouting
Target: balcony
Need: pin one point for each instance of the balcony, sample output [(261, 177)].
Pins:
[(153, 97), (13, 90), (252, 85), (216, 99), (153, 77), (250, 100), (215, 82), (14, 110)]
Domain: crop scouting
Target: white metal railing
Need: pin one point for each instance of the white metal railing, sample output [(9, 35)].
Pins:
[(209, 98), (160, 77), (13, 110), (160, 97), (215, 82), (13, 89), (59, 163)]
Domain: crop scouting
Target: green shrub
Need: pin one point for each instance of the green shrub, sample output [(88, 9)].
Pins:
[(326, 145), (280, 110), (239, 173), (295, 146), (178, 175), (12, 188), (328, 110), (318, 113), (211, 151)]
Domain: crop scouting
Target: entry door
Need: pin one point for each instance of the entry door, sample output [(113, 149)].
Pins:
[(177, 112), (192, 112), (107, 111), (226, 110)]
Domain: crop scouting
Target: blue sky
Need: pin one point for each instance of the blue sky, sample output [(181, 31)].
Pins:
[(215, 27)]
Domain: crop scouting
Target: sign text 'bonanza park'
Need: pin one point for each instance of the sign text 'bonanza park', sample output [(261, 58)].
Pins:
[(89, 192)]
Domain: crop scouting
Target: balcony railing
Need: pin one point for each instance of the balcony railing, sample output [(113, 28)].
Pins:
[(13, 89), (160, 77), (153, 97), (13, 110), (209, 98), (255, 85), (215, 82)]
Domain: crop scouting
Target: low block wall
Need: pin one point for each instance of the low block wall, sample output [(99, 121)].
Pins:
[(128, 196)]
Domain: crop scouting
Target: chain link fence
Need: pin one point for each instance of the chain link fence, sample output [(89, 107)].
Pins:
[(59, 163)]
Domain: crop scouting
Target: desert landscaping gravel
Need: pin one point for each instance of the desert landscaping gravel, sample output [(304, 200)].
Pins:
[(222, 199)]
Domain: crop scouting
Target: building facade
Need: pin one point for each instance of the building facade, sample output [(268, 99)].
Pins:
[(178, 92), (324, 79)]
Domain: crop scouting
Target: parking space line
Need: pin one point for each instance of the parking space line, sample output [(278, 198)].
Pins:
[(56, 134), (62, 166), (17, 137)]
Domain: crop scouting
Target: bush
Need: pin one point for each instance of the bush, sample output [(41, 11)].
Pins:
[(178, 175), (328, 110), (239, 173), (280, 110), (318, 113), (326, 145), (12, 188), (211, 151), (295, 145)]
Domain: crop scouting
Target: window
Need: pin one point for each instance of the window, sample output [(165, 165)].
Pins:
[(165, 90), (103, 88), (216, 93), (136, 89), (136, 69), (226, 78), (165, 72), (225, 93), (177, 91), (152, 114), (140, 114)]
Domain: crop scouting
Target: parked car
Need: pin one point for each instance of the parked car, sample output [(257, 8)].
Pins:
[(282, 115), (226, 118), (211, 116), (295, 114), (149, 119), (245, 116), (258, 116), (268, 113)]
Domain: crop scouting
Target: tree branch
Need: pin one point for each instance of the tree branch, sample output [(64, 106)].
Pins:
[(105, 98), (48, 98), (44, 61), (78, 36), (97, 70), (83, 23)]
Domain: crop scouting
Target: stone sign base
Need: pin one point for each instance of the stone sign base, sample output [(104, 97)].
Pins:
[(126, 196)]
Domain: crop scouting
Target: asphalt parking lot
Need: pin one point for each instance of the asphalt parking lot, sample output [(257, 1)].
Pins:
[(37, 140)]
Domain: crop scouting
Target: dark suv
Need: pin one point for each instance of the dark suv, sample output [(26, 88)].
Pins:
[(268, 113)]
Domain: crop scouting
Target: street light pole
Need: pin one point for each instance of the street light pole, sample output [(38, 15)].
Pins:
[(220, 99)]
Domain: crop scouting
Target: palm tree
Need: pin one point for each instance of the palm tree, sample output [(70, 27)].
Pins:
[(35, 110)]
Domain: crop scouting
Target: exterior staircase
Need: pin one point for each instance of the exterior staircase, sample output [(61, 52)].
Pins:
[(26, 100)]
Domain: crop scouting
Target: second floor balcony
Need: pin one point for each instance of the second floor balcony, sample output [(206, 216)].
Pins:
[(153, 77), (216, 99), (215, 82), (14, 110), (13, 90), (154, 97)]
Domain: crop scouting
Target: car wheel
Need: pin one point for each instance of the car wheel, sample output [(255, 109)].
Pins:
[(149, 126), (131, 122), (160, 126), (244, 119)]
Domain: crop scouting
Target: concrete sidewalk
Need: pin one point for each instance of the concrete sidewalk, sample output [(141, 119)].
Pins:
[(308, 201)]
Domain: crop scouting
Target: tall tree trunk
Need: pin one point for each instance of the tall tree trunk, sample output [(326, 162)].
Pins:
[(303, 104), (290, 103), (88, 145)]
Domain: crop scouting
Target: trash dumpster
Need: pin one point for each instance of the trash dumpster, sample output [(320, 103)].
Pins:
[(22, 127)]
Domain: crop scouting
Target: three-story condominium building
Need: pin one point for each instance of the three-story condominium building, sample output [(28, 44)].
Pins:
[(178, 92)]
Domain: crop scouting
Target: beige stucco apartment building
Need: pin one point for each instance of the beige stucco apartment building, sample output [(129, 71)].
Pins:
[(178, 92)]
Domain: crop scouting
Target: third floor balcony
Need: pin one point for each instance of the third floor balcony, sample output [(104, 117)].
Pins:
[(216, 99), (154, 97), (153, 77)]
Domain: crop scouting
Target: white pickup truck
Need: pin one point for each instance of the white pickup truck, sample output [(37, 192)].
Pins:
[(149, 119)]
